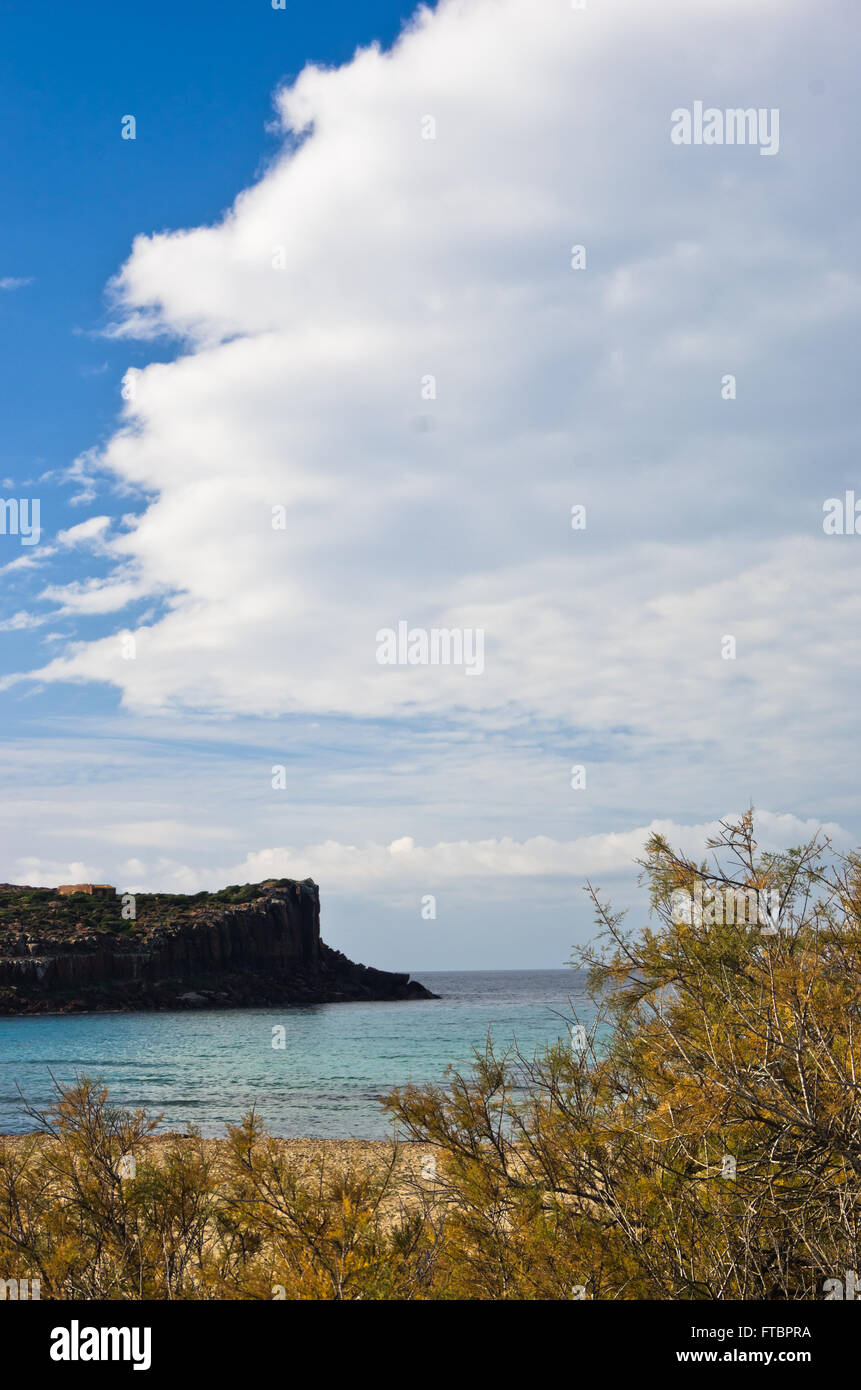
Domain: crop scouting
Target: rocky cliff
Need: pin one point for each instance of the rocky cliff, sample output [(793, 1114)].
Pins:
[(250, 945)]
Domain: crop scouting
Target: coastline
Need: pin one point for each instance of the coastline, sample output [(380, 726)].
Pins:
[(85, 948), (295, 1146)]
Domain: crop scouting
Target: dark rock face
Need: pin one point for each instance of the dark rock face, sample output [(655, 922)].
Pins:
[(192, 953)]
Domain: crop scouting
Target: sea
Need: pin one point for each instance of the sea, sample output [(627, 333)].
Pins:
[(208, 1067)]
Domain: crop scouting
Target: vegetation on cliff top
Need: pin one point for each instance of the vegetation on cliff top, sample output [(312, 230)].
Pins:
[(45, 914)]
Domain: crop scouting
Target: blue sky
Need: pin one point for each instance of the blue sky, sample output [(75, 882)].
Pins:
[(282, 259), (200, 80)]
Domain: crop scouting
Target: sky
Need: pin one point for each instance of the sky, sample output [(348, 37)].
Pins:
[(390, 317)]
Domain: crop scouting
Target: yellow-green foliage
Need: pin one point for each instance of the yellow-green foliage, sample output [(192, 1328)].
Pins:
[(605, 1171)]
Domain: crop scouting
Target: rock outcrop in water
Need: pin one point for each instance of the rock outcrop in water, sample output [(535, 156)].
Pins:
[(251, 945)]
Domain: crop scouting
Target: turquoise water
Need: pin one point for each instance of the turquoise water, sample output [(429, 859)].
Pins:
[(208, 1067)]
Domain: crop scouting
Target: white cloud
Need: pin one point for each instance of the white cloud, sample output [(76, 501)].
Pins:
[(94, 596), (82, 474), (370, 866), (28, 562), (352, 867), (22, 621), (404, 258), (48, 873), (85, 532)]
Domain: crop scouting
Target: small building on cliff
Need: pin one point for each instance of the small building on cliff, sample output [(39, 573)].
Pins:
[(93, 890)]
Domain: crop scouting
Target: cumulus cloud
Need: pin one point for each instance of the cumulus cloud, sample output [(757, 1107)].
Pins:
[(372, 866), (366, 865), (368, 260), (384, 345), (48, 873)]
